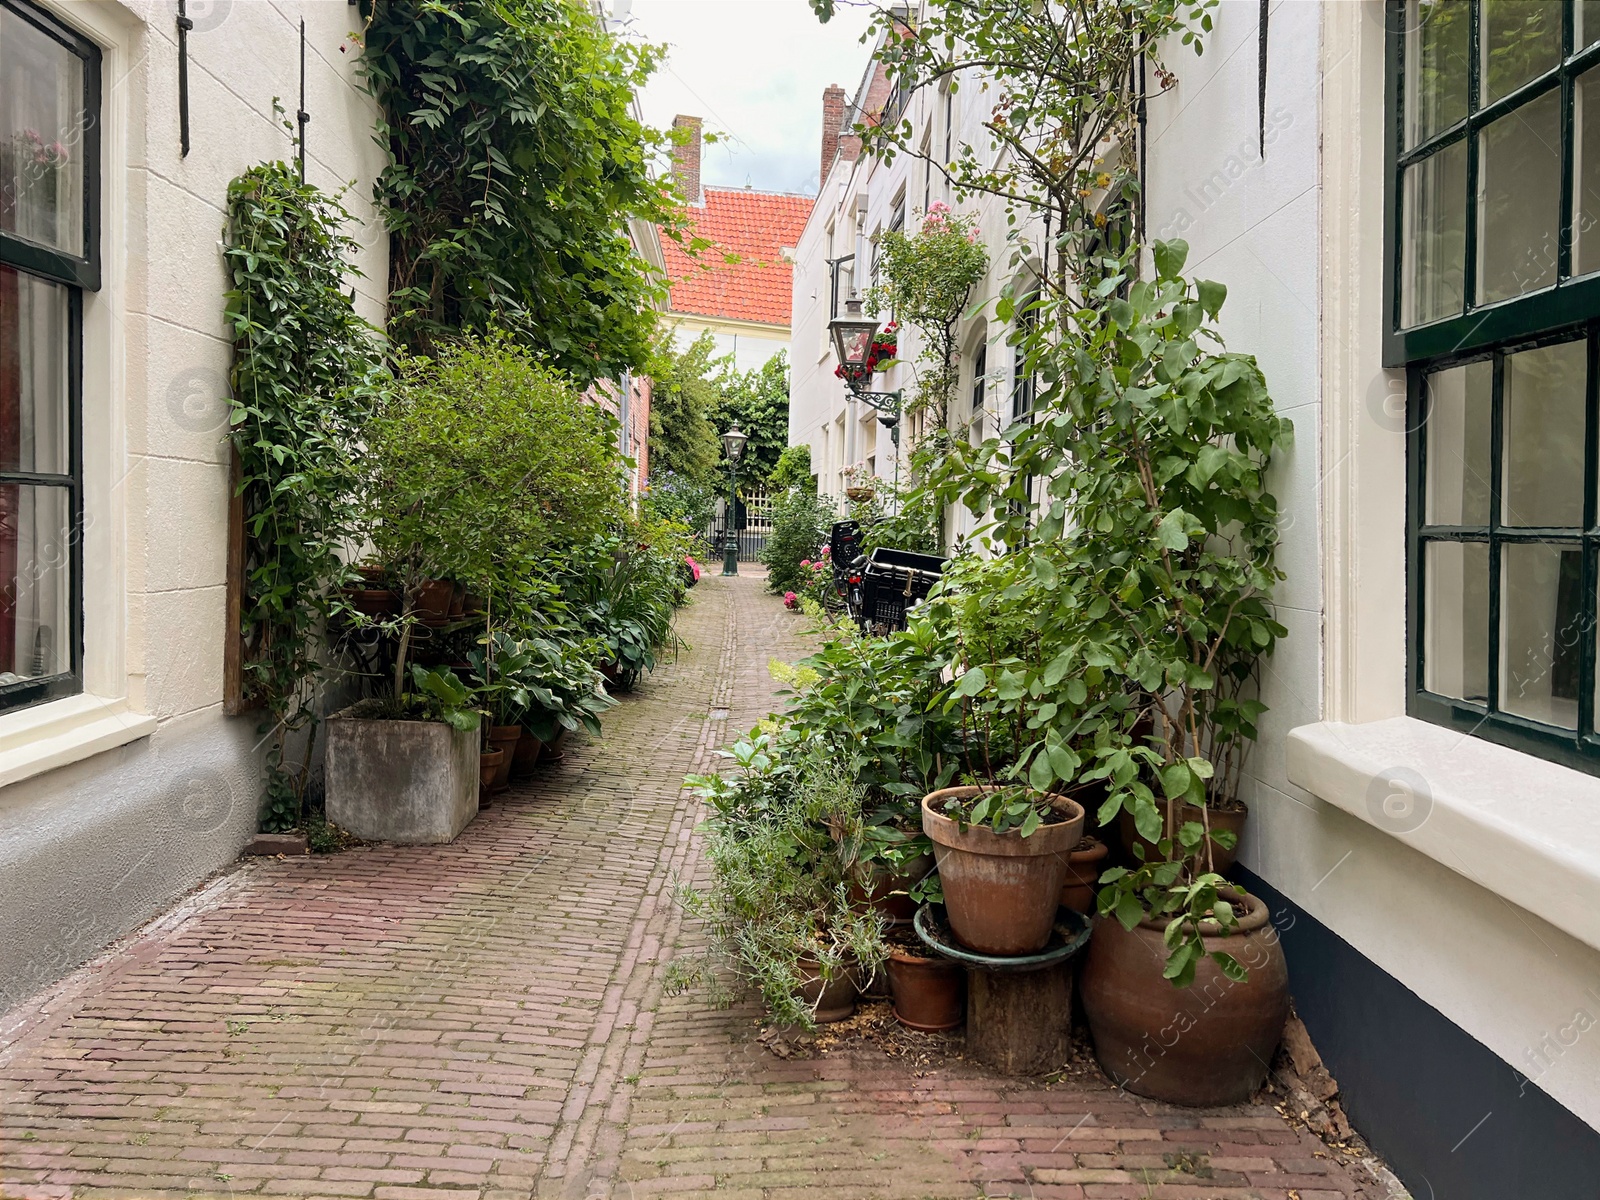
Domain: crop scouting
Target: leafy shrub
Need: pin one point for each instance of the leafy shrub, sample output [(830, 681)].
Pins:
[(481, 464), (800, 526), (779, 910), (793, 469)]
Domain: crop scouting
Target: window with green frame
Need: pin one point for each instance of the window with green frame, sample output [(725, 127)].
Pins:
[(1493, 305)]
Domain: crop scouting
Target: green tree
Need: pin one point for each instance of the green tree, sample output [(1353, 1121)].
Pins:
[(515, 163), (684, 404), (759, 401)]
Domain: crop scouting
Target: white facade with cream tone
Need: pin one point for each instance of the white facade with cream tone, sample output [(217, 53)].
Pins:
[(133, 787), (1430, 845)]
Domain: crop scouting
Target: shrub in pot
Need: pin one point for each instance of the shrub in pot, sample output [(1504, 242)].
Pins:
[(1185, 988), (779, 908)]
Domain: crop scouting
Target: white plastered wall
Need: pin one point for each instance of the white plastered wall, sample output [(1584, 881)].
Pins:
[(115, 802), (1298, 240)]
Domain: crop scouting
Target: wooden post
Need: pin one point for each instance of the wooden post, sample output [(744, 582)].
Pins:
[(1020, 1022), (233, 633)]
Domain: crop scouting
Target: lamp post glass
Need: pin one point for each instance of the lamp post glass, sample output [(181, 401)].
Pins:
[(733, 443), (852, 336)]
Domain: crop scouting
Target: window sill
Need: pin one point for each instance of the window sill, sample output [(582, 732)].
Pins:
[(1526, 829), (36, 740)]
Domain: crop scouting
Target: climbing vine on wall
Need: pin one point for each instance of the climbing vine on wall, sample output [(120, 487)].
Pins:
[(298, 349), (515, 163)]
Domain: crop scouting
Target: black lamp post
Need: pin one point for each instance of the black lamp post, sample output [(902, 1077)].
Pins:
[(733, 442)]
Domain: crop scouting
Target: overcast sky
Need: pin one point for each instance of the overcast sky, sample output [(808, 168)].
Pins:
[(754, 70)]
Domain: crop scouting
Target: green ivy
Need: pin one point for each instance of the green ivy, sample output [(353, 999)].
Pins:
[(515, 163), (298, 349)]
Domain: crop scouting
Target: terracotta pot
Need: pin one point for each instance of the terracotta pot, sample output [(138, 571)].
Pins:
[(1001, 890), (504, 738), (375, 576), (526, 755), (1204, 1045), (488, 767), (374, 602), (831, 1001), (1230, 819), (929, 993), (552, 751), (1084, 866), (885, 891), (458, 601), (433, 601)]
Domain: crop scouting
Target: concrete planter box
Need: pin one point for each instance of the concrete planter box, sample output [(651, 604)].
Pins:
[(413, 782)]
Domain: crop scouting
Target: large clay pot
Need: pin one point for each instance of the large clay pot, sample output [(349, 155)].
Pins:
[(552, 751), (504, 737), (1084, 866), (1205, 1045), (1001, 890), (886, 891), (929, 993), (832, 1001), (1230, 820)]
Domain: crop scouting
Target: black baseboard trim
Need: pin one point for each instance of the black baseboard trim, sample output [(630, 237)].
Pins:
[(1451, 1118)]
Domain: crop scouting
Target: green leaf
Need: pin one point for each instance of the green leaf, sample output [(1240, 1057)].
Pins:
[(1040, 775), (1211, 296), (1231, 967), (1175, 779), (1171, 533), (1169, 257), (972, 682)]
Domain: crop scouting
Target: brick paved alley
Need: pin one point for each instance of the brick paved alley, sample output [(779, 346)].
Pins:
[(486, 1020)]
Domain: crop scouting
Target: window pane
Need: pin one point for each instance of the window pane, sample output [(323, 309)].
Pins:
[(1586, 170), (1435, 236), (1521, 39), (1519, 200), (33, 373), (1437, 61), (1587, 30), (1459, 418), (1541, 631), (1456, 620), (41, 137), (36, 565), (1544, 424)]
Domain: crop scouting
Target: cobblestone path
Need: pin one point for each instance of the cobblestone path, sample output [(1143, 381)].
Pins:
[(486, 1021)]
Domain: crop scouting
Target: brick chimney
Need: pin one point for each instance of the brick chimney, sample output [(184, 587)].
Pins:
[(686, 157), (832, 122)]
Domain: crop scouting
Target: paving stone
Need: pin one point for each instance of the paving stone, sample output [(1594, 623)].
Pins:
[(487, 1021)]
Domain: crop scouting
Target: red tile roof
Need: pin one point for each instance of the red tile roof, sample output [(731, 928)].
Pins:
[(754, 226)]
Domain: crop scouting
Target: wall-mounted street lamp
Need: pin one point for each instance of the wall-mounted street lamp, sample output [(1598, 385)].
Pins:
[(853, 337), (733, 443)]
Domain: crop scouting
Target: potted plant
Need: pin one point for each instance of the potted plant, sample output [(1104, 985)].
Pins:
[(405, 768), (499, 680), (1186, 989), (475, 462), (779, 909), (860, 484)]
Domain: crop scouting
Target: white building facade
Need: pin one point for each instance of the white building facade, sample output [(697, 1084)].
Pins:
[(122, 782), (1412, 272)]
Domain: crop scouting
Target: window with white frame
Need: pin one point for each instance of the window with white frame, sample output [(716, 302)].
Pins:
[(49, 256)]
